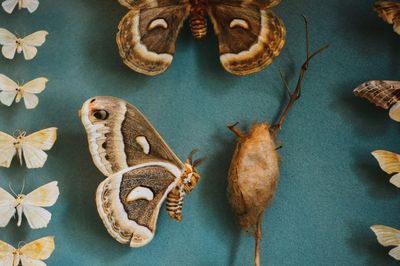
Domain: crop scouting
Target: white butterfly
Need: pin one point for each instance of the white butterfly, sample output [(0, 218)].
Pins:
[(30, 254), (31, 147), (390, 163), (27, 45), (388, 236), (9, 5), (30, 205), (10, 90)]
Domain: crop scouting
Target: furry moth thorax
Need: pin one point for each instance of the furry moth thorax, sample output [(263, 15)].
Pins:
[(142, 171)]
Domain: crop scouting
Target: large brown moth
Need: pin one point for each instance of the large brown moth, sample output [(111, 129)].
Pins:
[(254, 171), (389, 11), (250, 35), (382, 93), (142, 171)]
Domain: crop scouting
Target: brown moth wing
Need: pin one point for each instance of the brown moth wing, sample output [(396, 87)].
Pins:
[(147, 36), (124, 138), (129, 202), (382, 93), (250, 36), (388, 10)]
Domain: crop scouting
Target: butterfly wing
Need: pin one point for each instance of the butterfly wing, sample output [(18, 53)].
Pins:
[(31, 5), (6, 254), (34, 145), (8, 90), (30, 89), (8, 41), (120, 136), (389, 11), (9, 5), (7, 209), (147, 34), (40, 249), (44, 196), (129, 202), (30, 42), (7, 149), (250, 35), (388, 236), (388, 161)]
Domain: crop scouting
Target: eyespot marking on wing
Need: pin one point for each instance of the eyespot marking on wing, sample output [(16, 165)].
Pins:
[(142, 141), (160, 22), (140, 193), (239, 23)]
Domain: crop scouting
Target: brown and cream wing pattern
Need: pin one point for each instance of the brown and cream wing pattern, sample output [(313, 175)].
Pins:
[(147, 35), (119, 136), (250, 35), (129, 202), (382, 93)]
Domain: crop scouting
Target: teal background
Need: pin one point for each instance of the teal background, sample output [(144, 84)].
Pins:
[(331, 188)]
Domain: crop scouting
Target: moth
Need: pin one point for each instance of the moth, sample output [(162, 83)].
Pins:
[(27, 45), (382, 93), (10, 91), (388, 236), (31, 254), (28, 148), (142, 171), (30, 205), (10, 5), (389, 11), (390, 163), (250, 35)]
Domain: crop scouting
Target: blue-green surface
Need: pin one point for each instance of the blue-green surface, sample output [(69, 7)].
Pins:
[(331, 189)]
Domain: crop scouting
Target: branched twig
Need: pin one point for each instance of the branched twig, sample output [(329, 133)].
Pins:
[(296, 93)]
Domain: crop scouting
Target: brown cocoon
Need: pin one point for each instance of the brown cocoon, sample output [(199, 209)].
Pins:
[(253, 175)]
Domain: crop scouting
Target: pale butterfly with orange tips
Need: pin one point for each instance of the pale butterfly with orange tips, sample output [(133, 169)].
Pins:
[(29, 148), (11, 91), (30, 205), (27, 45), (31, 254), (390, 163), (10, 5)]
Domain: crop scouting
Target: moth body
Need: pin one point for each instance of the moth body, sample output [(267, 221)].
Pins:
[(253, 174), (187, 183), (198, 20)]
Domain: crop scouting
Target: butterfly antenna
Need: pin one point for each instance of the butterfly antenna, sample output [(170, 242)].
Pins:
[(23, 186), (21, 244), (12, 190), (199, 161)]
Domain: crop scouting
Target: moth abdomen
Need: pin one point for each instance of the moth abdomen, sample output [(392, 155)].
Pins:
[(198, 21)]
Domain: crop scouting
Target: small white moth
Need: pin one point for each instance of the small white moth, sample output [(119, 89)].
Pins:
[(30, 254), (388, 236), (27, 45), (390, 163), (10, 91), (31, 148), (9, 5), (30, 205)]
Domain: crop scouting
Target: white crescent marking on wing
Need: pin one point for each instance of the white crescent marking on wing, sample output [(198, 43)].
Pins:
[(140, 193), (142, 141), (160, 22)]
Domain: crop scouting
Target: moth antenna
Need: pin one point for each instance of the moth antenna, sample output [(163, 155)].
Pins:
[(199, 161), (191, 154), (12, 190)]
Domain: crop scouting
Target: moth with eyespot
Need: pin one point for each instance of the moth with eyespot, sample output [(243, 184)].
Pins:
[(250, 35), (142, 171)]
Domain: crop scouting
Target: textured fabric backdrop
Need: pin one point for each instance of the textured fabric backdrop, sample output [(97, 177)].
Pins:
[(331, 189)]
